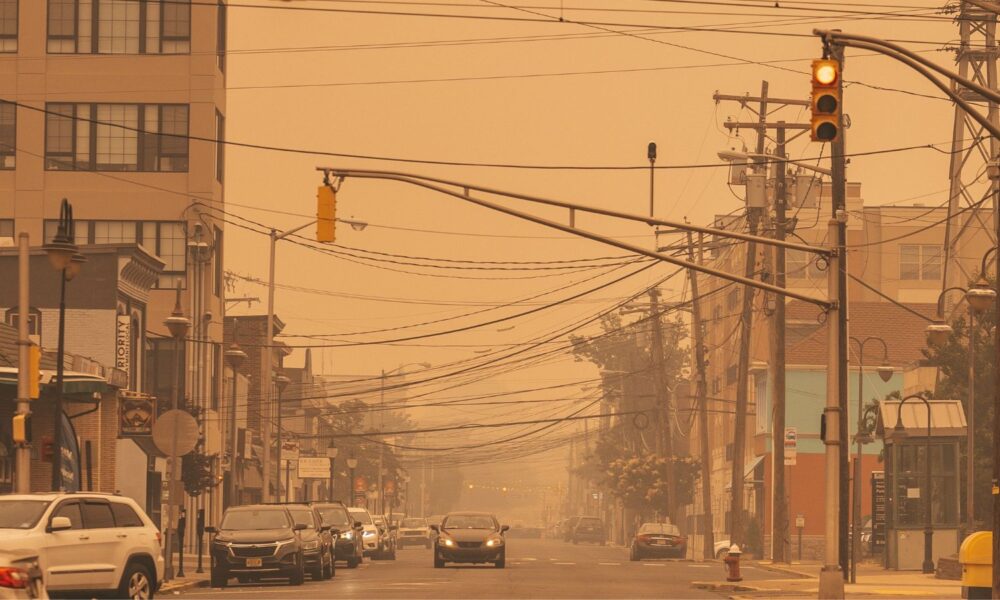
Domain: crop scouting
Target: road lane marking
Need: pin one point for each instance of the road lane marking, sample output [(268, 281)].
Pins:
[(564, 563), (529, 559), (610, 564), (646, 564), (700, 566)]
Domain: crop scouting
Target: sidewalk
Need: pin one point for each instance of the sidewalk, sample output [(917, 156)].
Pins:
[(801, 580), (191, 579)]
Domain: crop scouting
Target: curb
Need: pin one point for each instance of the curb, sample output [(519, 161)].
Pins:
[(175, 587), (716, 586), (785, 570)]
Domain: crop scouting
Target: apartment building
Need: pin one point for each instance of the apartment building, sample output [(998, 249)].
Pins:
[(895, 257), (114, 105)]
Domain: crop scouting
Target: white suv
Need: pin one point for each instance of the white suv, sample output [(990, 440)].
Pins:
[(85, 541)]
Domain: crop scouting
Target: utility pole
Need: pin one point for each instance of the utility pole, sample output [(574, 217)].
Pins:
[(701, 391), (22, 455), (779, 505), (662, 400)]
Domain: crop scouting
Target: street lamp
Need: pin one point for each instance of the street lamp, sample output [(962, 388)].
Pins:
[(381, 448), (178, 325), (331, 452), (281, 382), (61, 251), (352, 463), (899, 432), (885, 374), (234, 358)]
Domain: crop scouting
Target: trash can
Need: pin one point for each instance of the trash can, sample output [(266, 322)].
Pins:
[(976, 557)]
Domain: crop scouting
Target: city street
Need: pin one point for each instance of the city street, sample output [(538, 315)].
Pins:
[(535, 569)]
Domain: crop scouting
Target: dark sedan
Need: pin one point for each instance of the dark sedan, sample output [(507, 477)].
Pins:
[(470, 538), (658, 540), (347, 543)]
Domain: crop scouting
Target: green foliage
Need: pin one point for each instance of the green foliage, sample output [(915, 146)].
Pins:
[(196, 472), (642, 482)]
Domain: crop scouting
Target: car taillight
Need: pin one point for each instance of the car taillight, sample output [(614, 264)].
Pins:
[(12, 577), (644, 538)]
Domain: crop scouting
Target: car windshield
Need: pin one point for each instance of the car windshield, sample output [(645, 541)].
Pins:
[(363, 516), (413, 524), (468, 522), (303, 516), (379, 520), (255, 519), (335, 516), (664, 528), (21, 514)]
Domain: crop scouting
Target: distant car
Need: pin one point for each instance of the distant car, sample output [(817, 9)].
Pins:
[(348, 543), (470, 537), (413, 531), (257, 541), (369, 533), (317, 542), (85, 542), (20, 576), (658, 540), (386, 538), (588, 529)]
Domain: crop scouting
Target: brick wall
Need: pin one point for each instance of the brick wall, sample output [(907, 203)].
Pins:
[(89, 332)]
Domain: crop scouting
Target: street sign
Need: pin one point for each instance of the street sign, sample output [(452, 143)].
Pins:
[(791, 445), (314, 467), (175, 433), (800, 521)]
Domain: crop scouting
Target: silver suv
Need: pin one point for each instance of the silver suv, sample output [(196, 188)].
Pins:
[(85, 541)]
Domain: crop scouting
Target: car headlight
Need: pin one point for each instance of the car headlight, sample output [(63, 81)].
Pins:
[(285, 542), (448, 542), (494, 541), (369, 534), (348, 535), (311, 545)]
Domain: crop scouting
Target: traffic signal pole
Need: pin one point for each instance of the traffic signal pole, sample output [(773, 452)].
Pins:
[(22, 455)]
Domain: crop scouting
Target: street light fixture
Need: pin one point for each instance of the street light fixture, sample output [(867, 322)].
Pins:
[(234, 358), (178, 325), (281, 382), (331, 453), (981, 296), (899, 431)]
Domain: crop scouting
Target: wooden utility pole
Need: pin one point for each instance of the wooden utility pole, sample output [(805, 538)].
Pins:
[(664, 437), (701, 392)]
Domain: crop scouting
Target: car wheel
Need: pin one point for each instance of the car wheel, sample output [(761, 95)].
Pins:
[(316, 573), (353, 562), (633, 554), (299, 576), (331, 567), (392, 554), (501, 562), (438, 561), (219, 580), (136, 583)]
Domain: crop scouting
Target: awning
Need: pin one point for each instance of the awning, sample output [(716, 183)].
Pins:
[(251, 478), (947, 419), (748, 470), (74, 383)]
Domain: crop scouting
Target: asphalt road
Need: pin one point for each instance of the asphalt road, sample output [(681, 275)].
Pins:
[(535, 569)]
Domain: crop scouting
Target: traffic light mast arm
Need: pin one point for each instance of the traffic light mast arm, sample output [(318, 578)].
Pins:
[(425, 182), (422, 179)]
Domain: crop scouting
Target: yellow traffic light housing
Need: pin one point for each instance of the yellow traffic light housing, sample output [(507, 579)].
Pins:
[(326, 214), (21, 429), (826, 105)]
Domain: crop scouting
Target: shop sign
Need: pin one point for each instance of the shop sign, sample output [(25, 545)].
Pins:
[(136, 415)]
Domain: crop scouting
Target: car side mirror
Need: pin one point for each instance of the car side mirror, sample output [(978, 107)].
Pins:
[(358, 525), (60, 524), (299, 527), (504, 528), (436, 528), (324, 528), (211, 529), (334, 531)]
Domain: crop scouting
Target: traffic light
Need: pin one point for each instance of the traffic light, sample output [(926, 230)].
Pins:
[(326, 214), (34, 370), (21, 429), (825, 123)]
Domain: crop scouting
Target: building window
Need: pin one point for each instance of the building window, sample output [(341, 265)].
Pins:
[(8, 25), (220, 36), (8, 134), (220, 147), (6, 232), (34, 320), (920, 262), (799, 264), (116, 137), (119, 26)]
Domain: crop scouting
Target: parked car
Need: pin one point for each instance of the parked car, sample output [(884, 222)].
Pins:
[(413, 531), (386, 538), (85, 542), (588, 529), (470, 537), (317, 542), (369, 533), (20, 576), (348, 535), (567, 526), (658, 540), (257, 541)]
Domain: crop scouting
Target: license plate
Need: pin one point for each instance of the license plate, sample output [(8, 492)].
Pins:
[(661, 542), (255, 562)]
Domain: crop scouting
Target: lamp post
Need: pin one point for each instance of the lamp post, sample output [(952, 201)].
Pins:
[(281, 382), (234, 357), (352, 463), (178, 325), (885, 373), (980, 298), (64, 257), (381, 447), (331, 452), (899, 432)]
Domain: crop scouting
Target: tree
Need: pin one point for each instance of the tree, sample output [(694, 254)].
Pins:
[(642, 484), (952, 358)]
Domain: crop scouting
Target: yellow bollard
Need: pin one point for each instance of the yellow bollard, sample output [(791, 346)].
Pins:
[(976, 557)]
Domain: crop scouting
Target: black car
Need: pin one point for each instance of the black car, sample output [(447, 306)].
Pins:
[(658, 540), (317, 541), (348, 542), (468, 537), (587, 529), (257, 541)]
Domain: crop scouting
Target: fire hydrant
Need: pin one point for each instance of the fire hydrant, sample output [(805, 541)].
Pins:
[(732, 561)]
